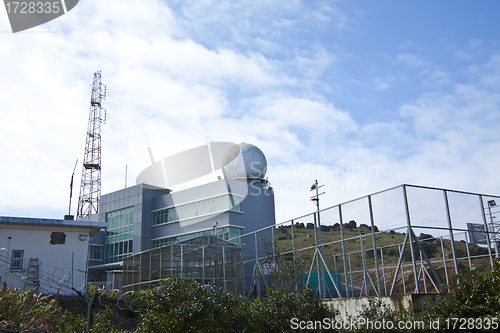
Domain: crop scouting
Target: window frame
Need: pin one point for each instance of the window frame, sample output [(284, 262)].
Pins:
[(17, 259)]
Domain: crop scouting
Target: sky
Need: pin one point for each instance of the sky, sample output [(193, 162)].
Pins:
[(360, 95)]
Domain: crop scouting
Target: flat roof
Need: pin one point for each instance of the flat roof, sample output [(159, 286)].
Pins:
[(42, 221)]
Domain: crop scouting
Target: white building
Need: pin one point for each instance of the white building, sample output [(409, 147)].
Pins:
[(46, 254)]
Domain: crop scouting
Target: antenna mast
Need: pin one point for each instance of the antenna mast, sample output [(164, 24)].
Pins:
[(90, 187)]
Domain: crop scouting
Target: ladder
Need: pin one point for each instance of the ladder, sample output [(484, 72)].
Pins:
[(32, 275)]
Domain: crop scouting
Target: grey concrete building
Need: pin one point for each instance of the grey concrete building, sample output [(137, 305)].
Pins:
[(144, 217)]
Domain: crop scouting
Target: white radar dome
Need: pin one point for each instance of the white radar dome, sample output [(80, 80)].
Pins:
[(244, 161)]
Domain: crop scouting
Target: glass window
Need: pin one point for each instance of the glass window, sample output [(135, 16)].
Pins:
[(17, 259), (95, 252)]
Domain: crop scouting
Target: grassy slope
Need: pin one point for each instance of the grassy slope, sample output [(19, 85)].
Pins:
[(304, 238)]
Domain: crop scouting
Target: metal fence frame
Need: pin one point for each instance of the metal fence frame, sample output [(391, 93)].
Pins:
[(404, 207)]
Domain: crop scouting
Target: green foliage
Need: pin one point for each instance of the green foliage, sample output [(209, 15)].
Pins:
[(377, 310), (104, 321), (281, 272), (275, 312), (24, 311), (474, 295), (186, 306)]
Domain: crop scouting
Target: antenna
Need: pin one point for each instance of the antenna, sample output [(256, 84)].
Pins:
[(69, 216), (90, 187)]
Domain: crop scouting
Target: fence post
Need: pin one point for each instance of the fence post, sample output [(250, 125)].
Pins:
[(486, 230), (344, 252), (450, 227), (412, 249), (375, 252)]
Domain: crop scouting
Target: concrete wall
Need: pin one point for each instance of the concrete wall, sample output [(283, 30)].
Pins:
[(61, 265), (351, 307)]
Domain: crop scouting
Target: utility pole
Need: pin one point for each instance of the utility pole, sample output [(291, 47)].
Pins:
[(317, 235)]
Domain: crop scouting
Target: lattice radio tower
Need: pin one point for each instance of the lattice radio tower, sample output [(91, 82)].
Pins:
[(90, 187)]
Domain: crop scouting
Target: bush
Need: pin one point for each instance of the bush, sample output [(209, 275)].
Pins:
[(473, 296), (186, 306), (24, 311)]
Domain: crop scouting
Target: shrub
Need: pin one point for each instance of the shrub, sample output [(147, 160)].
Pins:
[(184, 305), (275, 312), (24, 311)]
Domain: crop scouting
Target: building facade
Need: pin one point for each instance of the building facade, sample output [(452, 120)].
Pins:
[(144, 217), (47, 255)]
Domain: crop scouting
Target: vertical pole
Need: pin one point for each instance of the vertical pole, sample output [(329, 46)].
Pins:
[(444, 261), (256, 254), (450, 228), (320, 249), (335, 262), (256, 265), (161, 251), (293, 243), (468, 250), (343, 251), (423, 272), (350, 273), (494, 231), (140, 271), (320, 278), (375, 252), (365, 272), (172, 260), (203, 265), (486, 230), (402, 270), (223, 268), (273, 237), (150, 271), (182, 261), (412, 249), (383, 270)]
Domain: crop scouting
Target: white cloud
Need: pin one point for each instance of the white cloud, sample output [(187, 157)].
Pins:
[(476, 43), (435, 79), (381, 84), (463, 55), (247, 84), (410, 59)]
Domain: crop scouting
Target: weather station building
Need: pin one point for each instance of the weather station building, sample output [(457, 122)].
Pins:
[(145, 217)]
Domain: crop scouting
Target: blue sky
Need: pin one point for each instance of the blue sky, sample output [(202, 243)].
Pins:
[(363, 95)]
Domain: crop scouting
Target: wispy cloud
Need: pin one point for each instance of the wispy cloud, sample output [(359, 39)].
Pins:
[(253, 73), (410, 59)]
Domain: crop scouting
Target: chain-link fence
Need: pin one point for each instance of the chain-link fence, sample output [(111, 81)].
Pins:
[(407, 239)]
